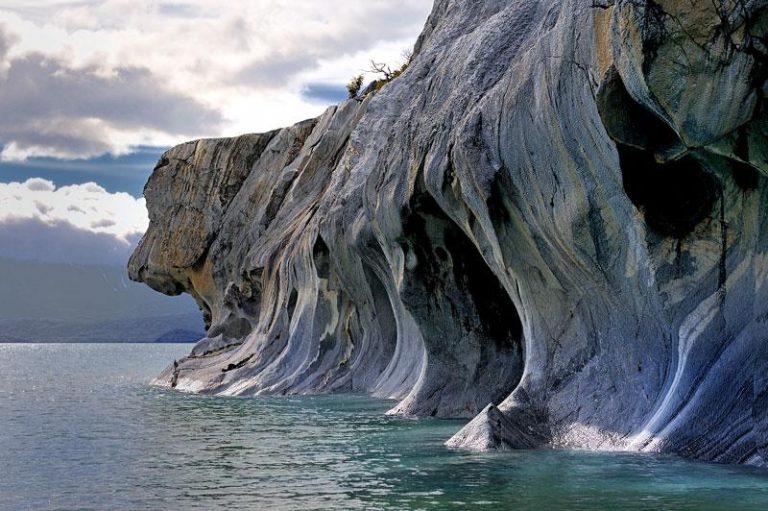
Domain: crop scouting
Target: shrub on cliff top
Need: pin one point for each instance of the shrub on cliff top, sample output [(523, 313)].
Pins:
[(354, 86), (377, 68)]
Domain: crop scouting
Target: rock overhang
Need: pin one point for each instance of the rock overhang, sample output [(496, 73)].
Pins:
[(548, 211)]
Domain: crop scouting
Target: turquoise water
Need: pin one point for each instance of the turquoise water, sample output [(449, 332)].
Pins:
[(80, 429)]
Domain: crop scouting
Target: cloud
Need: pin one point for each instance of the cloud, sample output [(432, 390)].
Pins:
[(81, 224), (179, 10), (104, 222), (32, 239), (88, 77), (310, 37), (276, 71), (6, 41), (41, 208), (49, 108), (39, 185), (124, 173)]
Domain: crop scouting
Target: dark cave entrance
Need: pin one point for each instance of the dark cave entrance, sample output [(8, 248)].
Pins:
[(673, 197), (670, 187), (471, 328)]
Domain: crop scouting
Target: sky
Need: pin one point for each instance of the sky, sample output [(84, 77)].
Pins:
[(93, 91)]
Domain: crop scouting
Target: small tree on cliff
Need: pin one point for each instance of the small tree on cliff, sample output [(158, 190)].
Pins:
[(378, 68), (388, 73), (354, 86)]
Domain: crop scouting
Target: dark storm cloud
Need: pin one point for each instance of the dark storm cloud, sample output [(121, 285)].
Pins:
[(47, 104), (31, 239), (44, 88), (50, 107)]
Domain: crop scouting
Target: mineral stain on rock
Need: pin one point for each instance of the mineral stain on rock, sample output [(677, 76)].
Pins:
[(555, 221)]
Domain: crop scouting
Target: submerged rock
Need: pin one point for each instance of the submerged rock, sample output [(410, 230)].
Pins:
[(559, 209)]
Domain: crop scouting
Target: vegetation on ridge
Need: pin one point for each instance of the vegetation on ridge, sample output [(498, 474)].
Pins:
[(377, 68)]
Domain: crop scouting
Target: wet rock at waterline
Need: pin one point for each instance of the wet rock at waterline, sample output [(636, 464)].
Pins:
[(560, 209)]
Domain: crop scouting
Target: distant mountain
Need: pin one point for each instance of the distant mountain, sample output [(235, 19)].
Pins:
[(178, 336), (43, 302)]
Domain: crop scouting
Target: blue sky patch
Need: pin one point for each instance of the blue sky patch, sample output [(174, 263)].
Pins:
[(127, 173), (324, 93)]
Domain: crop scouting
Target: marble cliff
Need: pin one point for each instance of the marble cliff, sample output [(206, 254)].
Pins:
[(555, 221)]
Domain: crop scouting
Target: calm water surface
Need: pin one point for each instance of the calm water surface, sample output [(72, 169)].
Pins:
[(80, 429)]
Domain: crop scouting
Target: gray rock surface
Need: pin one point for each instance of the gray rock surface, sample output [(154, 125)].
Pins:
[(559, 209)]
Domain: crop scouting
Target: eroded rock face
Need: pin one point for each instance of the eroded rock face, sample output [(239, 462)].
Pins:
[(558, 210)]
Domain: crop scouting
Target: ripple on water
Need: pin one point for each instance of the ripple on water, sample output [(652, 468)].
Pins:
[(80, 429)]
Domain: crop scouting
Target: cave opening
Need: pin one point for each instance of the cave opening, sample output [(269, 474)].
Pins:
[(628, 122), (293, 299), (666, 184), (674, 197), (321, 256), (499, 318), (746, 176), (471, 328)]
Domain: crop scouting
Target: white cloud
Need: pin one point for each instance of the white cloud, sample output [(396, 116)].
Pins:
[(86, 207), (39, 185), (113, 74)]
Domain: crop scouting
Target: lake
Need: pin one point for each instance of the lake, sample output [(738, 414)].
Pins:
[(80, 429)]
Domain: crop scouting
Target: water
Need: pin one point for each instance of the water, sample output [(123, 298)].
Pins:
[(80, 429)]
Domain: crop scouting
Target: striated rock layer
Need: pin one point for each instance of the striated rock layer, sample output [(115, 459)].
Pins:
[(556, 220)]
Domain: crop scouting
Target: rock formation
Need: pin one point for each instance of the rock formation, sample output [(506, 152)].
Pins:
[(556, 219)]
